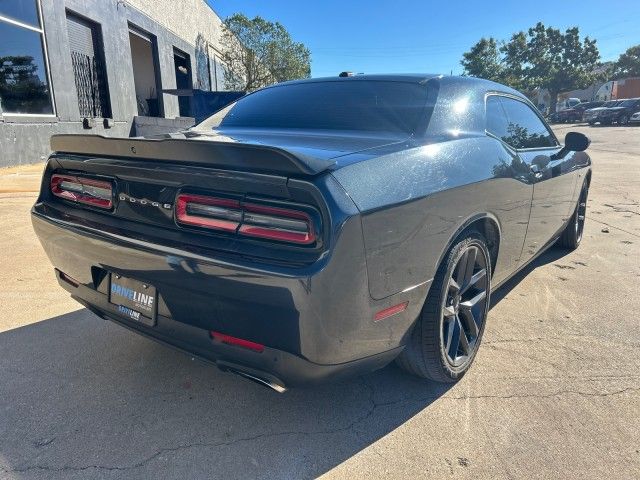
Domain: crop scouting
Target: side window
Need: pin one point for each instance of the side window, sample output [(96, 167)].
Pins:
[(525, 129), (497, 123)]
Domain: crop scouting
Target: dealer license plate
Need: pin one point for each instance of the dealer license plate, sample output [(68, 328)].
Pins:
[(134, 299)]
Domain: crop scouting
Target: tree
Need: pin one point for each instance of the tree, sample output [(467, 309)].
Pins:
[(483, 60), (543, 57), (257, 53), (20, 86), (628, 64)]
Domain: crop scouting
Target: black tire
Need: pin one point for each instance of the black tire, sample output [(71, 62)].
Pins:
[(572, 234), (426, 354), (623, 120)]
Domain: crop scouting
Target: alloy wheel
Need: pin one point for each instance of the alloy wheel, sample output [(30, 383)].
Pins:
[(464, 309), (581, 213)]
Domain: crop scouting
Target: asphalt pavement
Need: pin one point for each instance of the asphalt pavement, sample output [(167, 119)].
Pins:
[(554, 391)]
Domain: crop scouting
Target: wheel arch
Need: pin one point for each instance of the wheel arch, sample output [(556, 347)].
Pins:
[(487, 225)]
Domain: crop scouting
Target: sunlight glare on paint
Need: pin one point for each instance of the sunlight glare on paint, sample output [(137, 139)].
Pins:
[(461, 105)]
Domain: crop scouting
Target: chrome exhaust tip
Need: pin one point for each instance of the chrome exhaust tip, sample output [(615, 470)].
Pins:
[(258, 377), (260, 381)]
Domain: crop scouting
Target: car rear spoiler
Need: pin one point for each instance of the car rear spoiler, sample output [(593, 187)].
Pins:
[(227, 155)]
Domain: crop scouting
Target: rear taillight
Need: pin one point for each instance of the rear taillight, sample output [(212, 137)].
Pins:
[(248, 219), (209, 212), (277, 223), (97, 193)]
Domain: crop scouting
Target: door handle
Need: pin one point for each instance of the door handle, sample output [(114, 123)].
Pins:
[(536, 170)]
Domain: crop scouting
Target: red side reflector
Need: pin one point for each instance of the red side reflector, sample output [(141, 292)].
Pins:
[(388, 312), (70, 280), (238, 342)]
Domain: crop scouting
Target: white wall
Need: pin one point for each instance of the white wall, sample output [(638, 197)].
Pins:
[(196, 23), (186, 18)]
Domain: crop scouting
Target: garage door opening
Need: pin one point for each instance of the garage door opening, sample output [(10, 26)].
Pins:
[(184, 82), (144, 59)]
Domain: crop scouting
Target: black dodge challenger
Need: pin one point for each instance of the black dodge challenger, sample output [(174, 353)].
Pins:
[(317, 228)]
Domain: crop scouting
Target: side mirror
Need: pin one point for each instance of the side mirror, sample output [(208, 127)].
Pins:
[(576, 142)]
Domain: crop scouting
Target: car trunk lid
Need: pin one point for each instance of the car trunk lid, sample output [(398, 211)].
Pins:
[(286, 153)]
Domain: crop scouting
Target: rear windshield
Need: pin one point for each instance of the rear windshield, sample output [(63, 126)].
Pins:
[(376, 106)]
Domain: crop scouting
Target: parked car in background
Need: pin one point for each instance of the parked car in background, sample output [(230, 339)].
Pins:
[(620, 113), (290, 247), (574, 114), (635, 118), (567, 103), (591, 115)]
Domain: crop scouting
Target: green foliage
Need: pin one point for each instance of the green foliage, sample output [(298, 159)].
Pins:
[(483, 60), (20, 86), (258, 53), (541, 57), (628, 64)]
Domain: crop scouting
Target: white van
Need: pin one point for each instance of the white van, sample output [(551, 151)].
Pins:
[(567, 103)]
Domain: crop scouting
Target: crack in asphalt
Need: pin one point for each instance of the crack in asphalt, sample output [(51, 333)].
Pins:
[(613, 226), (619, 209), (597, 338), (164, 450), (372, 408)]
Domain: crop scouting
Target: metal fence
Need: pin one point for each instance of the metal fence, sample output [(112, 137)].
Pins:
[(91, 84)]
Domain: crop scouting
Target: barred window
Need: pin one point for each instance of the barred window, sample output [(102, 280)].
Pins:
[(24, 79), (87, 59)]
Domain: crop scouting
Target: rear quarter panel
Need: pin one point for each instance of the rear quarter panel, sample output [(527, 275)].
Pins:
[(413, 203)]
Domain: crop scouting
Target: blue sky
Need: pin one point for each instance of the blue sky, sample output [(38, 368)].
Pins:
[(425, 36)]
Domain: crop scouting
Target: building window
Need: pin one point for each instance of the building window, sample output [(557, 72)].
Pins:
[(203, 73), (87, 58), (213, 81), (24, 80), (184, 81), (216, 71)]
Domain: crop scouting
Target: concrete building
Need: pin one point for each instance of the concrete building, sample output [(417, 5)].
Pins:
[(92, 66)]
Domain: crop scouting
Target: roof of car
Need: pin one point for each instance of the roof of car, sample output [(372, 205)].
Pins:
[(387, 77), (420, 78)]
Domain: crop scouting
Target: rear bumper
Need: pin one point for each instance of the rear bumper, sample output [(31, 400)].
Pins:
[(275, 368), (316, 323)]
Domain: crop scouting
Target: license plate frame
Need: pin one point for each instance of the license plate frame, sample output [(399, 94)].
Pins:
[(134, 299)]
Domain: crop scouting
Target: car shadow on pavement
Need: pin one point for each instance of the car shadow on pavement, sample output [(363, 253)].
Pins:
[(549, 256), (84, 397), (81, 396)]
